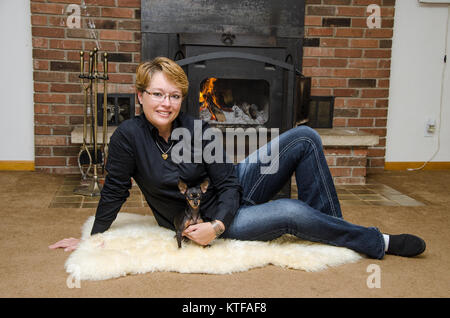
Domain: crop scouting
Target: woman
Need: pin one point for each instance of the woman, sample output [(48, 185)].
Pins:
[(238, 202)]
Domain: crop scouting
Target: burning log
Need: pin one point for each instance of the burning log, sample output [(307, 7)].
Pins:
[(215, 110), (208, 100)]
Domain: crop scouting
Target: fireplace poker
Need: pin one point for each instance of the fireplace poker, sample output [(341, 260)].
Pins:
[(84, 148), (105, 110)]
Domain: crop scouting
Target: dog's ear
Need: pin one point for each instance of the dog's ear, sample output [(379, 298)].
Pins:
[(204, 185), (182, 186)]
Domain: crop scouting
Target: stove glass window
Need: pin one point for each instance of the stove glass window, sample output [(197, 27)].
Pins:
[(234, 101)]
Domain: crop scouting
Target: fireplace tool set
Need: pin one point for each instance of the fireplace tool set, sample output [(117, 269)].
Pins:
[(92, 155)]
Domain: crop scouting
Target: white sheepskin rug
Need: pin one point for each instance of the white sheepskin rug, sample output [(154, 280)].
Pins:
[(135, 244)]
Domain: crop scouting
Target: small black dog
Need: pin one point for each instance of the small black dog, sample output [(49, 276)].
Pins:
[(191, 214)]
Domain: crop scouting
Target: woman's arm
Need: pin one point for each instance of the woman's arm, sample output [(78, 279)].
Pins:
[(120, 167), (223, 178)]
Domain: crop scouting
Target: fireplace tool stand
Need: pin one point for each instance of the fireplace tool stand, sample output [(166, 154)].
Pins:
[(91, 156)]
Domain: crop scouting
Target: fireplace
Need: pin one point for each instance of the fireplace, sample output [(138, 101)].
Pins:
[(226, 101), (242, 58)]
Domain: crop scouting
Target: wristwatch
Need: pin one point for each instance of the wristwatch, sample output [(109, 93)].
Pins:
[(217, 228)]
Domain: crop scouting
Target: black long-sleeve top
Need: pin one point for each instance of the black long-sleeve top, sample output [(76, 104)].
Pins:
[(133, 153)]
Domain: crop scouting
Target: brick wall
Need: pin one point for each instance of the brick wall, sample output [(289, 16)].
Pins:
[(350, 61), (343, 56), (111, 25)]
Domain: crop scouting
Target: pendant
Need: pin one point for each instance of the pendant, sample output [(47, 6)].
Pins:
[(164, 156)]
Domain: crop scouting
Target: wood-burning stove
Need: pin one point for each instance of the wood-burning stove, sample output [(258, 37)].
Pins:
[(253, 45), (246, 53)]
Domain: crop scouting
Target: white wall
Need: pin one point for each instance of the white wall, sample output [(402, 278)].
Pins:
[(416, 71), (16, 82)]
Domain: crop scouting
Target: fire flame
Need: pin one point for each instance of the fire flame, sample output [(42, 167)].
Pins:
[(207, 96)]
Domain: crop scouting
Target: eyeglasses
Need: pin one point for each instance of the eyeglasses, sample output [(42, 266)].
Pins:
[(160, 97)]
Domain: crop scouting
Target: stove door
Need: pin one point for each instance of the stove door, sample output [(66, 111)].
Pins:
[(254, 87)]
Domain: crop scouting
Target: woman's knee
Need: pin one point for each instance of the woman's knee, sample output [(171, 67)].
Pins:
[(307, 132)]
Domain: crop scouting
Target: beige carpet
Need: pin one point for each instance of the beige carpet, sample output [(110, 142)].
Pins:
[(135, 244), (28, 268)]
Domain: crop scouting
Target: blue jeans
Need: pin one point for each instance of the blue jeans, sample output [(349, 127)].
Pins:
[(316, 214)]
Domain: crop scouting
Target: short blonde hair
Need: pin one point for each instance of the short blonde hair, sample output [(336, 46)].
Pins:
[(168, 67)]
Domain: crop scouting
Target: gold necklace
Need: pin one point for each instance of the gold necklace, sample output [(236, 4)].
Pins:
[(164, 154)]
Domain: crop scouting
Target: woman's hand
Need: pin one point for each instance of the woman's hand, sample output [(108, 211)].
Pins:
[(68, 244), (200, 233)]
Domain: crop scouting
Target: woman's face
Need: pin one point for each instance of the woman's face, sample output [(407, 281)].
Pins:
[(161, 101)]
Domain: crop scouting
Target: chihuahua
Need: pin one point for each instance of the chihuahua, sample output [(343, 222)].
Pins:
[(191, 214)]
